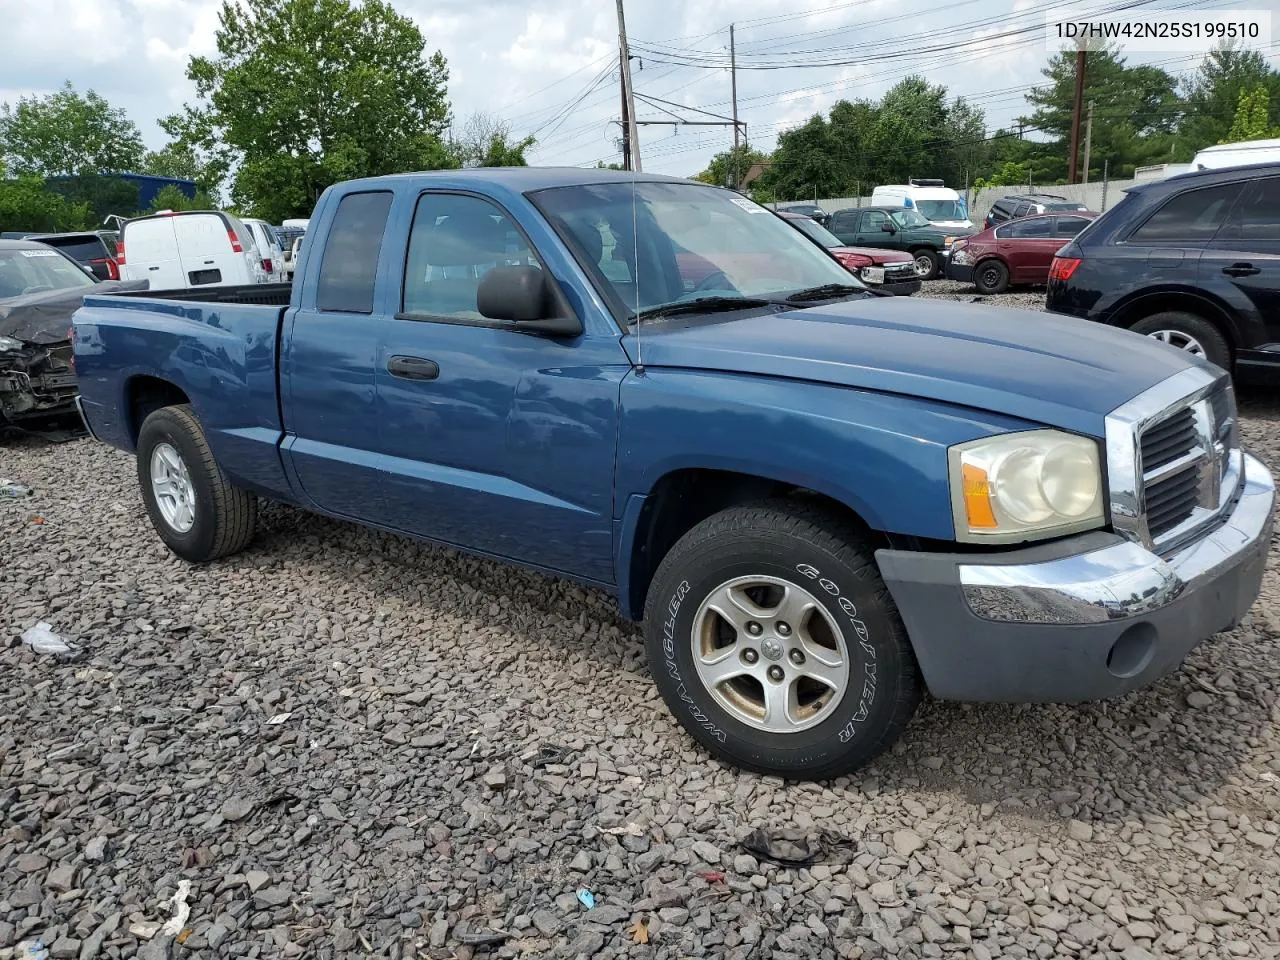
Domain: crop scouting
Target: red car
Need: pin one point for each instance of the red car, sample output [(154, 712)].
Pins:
[(1014, 253), (893, 271)]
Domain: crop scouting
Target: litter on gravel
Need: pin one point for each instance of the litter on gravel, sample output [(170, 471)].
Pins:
[(42, 639), (12, 490)]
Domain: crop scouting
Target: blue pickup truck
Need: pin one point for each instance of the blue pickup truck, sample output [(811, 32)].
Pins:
[(821, 501)]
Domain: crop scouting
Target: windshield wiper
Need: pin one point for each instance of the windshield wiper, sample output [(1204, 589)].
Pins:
[(828, 291), (701, 305)]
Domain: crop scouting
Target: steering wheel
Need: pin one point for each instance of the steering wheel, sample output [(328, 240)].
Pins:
[(718, 280), (38, 288)]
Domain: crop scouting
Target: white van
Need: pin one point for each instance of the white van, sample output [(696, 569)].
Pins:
[(931, 199), (1237, 154), (174, 251), (264, 235)]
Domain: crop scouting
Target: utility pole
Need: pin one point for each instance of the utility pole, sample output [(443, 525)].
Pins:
[(626, 119), (1088, 141), (733, 85), (1075, 115), (628, 97)]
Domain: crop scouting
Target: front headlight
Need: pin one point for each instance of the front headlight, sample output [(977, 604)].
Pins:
[(960, 256), (1025, 486)]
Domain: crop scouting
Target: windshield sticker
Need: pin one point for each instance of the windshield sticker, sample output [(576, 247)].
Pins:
[(747, 205), (40, 253)]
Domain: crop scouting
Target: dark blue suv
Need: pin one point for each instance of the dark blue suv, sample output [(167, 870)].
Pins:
[(1193, 261)]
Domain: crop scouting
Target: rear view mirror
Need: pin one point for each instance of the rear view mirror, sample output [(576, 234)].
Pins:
[(522, 294)]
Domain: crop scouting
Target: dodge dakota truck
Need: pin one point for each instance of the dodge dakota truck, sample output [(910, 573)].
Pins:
[(821, 502)]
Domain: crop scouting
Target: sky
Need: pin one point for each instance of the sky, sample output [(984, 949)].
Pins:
[(549, 67)]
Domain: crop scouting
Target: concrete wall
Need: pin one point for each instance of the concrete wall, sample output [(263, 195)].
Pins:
[(1098, 196)]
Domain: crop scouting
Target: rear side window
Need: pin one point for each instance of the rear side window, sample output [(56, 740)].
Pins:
[(1257, 215), (1068, 227), (350, 263), (1039, 227), (1188, 217), (83, 249)]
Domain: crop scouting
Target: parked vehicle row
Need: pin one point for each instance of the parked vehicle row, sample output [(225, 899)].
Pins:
[(821, 501), (1014, 253), (896, 228), (888, 270)]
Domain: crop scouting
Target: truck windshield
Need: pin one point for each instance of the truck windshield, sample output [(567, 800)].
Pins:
[(37, 270), (651, 244), (908, 219), (942, 210)]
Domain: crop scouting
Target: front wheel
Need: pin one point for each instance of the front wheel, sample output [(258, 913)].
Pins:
[(928, 263), (991, 276), (775, 643), (193, 506)]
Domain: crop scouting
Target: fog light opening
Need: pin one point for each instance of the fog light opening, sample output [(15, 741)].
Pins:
[(1133, 651)]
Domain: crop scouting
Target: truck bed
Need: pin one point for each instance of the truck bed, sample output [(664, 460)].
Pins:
[(216, 345), (261, 294)]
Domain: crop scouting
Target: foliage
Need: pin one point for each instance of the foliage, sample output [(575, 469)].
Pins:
[(304, 93), (1252, 120), (486, 142), (66, 133), (26, 205), (601, 165), (1212, 95), (720, 171), (1008, 174), (182, 161), (100, 195), (171, 198)]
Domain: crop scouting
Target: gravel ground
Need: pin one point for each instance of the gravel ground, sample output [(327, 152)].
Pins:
[(344, 744), (1024, 298)]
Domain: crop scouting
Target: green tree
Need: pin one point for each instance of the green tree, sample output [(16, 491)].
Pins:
[(487, 142), (26, 205), (67, 133), (1136, 112), (807, 162), (1252, 120), (1008, 174), (171, 198), (720, 171), (183, 161), (1212, 96), (304, 93)]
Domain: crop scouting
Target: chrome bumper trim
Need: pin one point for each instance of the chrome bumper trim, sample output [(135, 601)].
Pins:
[(1125, 579), (83, 419)]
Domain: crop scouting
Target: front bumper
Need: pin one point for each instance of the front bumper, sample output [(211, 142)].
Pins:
[(960, 272), (1084, 618), (903, 287)]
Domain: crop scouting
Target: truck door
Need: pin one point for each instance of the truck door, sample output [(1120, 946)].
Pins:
[(490, 438), (326, 367)]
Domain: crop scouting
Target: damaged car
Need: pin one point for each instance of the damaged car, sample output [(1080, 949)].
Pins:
[(40, 288)]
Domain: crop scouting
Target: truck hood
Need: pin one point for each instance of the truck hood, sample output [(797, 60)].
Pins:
[(1057, 371)]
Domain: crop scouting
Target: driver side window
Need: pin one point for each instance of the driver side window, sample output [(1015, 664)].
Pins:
[(454, 241), (873, 221)]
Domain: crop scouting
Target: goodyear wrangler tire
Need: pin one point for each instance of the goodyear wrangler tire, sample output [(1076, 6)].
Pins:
[(775, 643)]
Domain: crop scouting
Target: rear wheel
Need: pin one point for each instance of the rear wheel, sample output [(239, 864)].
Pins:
[(991, 276), (928, 263), (193, 506), (1188, 332), (775, 643)]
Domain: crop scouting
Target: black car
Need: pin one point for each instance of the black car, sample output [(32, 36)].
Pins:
[(810, 210), (1020, 205), (96, 249), (1193, 261)]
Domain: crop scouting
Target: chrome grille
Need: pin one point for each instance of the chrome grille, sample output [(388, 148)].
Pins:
[(1184, 461)]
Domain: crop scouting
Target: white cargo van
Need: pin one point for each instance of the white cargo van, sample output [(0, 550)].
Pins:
[(264, 235), (932, 199), (1237, 154), (189, 249)]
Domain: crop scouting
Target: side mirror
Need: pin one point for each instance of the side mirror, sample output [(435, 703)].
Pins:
[(522, 294), (888, 227)]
